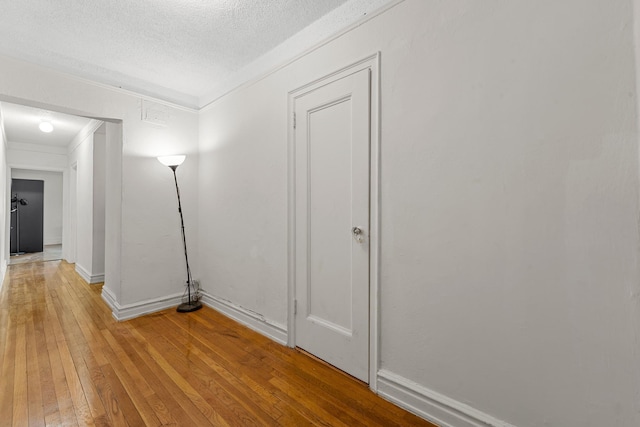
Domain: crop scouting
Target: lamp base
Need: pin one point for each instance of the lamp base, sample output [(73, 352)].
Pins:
[(188, 307)]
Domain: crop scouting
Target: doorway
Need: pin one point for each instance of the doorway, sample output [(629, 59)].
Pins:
[(27, 216), (334, 219), (53, 215)]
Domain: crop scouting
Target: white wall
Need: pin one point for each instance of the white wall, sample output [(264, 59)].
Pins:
[(113, 210), (69, 227), (99, 186), (4, 223), (509, 259), (149, 265), (81, 158), (35, 156), (87, 164), (52, 224)]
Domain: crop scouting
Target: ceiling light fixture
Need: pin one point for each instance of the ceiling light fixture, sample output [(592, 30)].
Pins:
[(46, 127)]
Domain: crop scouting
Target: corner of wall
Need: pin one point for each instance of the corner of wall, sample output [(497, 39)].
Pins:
[(90, 278), (130, 311)]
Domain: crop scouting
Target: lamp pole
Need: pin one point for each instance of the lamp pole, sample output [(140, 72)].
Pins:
[(18, 202), (190, 305)]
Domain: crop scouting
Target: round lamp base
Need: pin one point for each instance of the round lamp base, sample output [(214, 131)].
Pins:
[(188, 307)]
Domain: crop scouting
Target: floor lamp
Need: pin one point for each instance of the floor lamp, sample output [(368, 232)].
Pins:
[(18, 202), (193, 299)]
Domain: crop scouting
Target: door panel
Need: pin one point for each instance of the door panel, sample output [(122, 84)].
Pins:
[(328, 300), (332, 197), (27, 217)]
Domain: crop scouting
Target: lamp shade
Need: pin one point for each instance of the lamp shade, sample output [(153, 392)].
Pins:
[(172, 161)]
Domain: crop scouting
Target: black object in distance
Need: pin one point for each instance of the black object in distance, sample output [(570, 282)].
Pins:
[(27, 216)]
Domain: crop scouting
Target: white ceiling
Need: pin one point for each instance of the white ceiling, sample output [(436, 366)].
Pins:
[(184, 51), (21, 125)]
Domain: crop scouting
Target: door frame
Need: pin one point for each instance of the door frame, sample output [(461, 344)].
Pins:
[(71, 216), (371, 63)]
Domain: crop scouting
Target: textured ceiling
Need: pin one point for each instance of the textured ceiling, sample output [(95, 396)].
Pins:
[(177, 50)]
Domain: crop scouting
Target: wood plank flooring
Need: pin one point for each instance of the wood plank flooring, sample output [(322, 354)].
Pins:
[(64, 361)]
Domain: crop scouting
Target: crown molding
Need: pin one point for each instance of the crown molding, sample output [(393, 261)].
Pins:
[(305, 42)]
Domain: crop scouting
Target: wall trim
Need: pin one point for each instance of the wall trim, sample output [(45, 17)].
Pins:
[(48, 241), (431, 405), (109, 298), (97, 278), (112, 87), (208, 100), (88, 277), (36, 148), (35, 168), (88, 130), (130, 311), (249, 318)]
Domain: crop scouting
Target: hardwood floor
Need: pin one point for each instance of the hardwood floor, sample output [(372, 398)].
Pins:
[(65, 361)]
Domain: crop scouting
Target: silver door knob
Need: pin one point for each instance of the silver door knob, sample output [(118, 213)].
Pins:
[(358, 234)]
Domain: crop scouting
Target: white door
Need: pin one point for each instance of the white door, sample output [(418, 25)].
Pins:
[(332, 138)]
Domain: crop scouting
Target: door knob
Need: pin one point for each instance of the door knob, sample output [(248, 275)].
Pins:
[(358, 234)]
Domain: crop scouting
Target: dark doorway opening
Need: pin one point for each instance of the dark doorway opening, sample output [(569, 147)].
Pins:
[(27, 216)]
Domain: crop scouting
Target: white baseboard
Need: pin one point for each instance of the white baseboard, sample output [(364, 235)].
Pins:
[(250, 319), (415, 398), (431, 405), (89, 278), (109, 299), (130, 311)]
